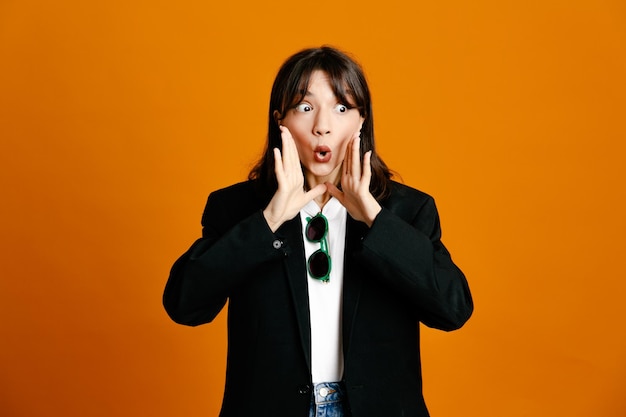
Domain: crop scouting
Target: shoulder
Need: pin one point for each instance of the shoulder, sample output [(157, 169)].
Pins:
[(235, 201), (408, 202), (404, 194), (234, 190), (246, 192)]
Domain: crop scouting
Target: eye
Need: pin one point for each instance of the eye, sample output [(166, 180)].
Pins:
[(341, 108), (303, 108)]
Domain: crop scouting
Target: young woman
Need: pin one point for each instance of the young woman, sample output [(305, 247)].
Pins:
[(327, 264)]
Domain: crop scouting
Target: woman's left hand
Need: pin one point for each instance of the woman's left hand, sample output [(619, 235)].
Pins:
[(355, 193)]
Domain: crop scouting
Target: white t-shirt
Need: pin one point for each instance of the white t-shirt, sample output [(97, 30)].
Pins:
[(325, 298)]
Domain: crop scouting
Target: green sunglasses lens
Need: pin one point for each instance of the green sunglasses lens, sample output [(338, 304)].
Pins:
[(316, 228), (319, 264)]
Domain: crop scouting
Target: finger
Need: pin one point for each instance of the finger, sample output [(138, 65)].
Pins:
[(367, 168), (335, 192), (346, 159), (285, 137), (278, 164), (315, 192), (290, 151), (355, 158)]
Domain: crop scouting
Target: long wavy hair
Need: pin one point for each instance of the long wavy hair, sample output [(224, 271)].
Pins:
[(349, 85)]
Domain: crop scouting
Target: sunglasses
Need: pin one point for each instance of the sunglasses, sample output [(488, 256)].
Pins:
[(318, 265)]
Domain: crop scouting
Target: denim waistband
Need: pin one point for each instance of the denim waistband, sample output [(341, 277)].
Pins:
[(328, 392)]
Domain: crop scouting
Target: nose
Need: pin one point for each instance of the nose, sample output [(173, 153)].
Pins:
[(321, 126)]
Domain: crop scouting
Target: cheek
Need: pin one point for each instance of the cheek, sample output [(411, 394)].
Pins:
[(296, 134), (347, 134), (296, 123), (301, 145), (343, 146)]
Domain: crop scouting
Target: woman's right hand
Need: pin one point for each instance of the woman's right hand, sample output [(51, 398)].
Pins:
[(290, 196)]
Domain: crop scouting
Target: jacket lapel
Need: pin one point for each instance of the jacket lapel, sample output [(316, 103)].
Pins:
[(355, 231), (296, 277)]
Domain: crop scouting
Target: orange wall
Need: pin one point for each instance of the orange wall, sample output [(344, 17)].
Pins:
[(118, 118)]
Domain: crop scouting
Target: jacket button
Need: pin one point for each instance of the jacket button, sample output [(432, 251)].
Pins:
[(304, 389), (277, 244)]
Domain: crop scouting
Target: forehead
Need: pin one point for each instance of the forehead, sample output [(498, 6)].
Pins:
[(319, 80)]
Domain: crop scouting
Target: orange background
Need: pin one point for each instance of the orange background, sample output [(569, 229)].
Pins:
[(118, 118)]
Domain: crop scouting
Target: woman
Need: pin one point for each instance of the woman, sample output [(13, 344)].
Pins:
[(328, 265)]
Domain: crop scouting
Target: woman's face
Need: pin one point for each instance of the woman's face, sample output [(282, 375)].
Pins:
[(321, 127)]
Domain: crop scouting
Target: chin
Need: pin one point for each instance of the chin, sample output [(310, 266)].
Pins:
[(325, 171)]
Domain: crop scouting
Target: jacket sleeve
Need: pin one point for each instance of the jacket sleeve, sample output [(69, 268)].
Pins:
[(407, 253), (215, 265)]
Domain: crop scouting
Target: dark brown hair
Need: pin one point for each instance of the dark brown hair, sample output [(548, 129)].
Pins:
[(349, 85)]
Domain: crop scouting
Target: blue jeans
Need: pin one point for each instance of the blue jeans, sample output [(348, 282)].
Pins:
[(327, 400)]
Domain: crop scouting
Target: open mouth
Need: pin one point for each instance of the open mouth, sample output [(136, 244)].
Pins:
[(322, 154)]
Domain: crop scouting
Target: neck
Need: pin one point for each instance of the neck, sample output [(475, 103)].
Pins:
[(333, 178), (322, 200)]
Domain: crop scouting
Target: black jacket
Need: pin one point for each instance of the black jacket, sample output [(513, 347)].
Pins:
[(396, 274)]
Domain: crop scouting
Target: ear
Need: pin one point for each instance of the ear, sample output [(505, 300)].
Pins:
[(277, 116), (361, 123)]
